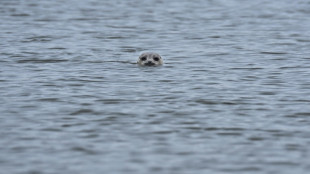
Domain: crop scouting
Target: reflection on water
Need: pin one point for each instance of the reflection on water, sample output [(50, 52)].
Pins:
[(232, 97)]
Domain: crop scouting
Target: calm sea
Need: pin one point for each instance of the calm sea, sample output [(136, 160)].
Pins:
[(232, 97)]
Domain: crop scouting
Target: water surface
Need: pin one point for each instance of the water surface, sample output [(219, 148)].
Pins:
[(232, 97)]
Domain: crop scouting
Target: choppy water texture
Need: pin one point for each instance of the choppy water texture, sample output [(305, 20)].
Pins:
[(232, 97)]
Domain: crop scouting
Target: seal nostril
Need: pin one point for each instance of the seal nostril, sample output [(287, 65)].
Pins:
[(149, 63)]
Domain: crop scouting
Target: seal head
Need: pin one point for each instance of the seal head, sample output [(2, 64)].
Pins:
[(150, 59)]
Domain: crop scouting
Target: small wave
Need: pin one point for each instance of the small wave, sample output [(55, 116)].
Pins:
[(82, 149), (41, 61), (271, 52), (84, 111)]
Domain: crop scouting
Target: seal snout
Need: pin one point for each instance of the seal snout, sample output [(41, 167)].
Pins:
[(149, 63)]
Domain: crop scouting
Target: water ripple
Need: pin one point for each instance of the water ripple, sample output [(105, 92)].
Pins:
[(231, 97)]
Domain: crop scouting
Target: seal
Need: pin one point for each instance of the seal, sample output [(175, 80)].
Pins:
[(150, 59)]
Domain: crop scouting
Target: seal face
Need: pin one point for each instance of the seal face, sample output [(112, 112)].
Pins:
[(150, 59)]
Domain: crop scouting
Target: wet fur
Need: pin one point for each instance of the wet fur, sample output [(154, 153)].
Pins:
[(149, 59)]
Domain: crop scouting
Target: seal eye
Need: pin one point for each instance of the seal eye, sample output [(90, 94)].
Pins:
[(156, 59), (143, 58)]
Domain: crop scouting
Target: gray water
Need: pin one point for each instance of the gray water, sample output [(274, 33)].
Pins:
[(232, 97)]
